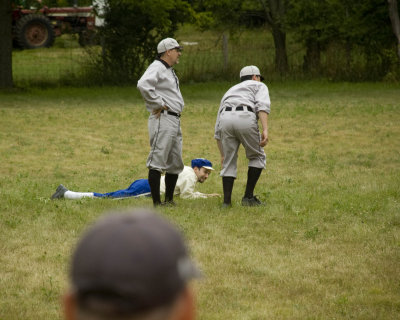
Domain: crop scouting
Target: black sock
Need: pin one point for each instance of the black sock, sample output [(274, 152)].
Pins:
[(170, 183), (154, 182), (227, 184), (252, 177)]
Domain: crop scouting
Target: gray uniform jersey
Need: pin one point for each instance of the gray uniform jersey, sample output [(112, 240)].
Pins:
[(159, 87), (237, 123)]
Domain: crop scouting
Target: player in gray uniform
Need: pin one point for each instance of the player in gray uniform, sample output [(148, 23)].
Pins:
[(237, 123), (159, 87)]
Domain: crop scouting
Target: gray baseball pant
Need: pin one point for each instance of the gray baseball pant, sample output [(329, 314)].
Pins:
[(240, 127), (166, 144)]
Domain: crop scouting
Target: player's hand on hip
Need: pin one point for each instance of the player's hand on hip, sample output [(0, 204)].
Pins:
[(157, 112), (264, 138)]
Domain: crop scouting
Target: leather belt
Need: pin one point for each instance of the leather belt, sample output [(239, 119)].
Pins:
[(239, 108), (171, 113)]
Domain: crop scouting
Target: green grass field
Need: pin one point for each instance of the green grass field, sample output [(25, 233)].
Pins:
[(327, 245)]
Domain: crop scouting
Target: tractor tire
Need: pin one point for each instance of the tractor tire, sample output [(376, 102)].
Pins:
[(34, 31)]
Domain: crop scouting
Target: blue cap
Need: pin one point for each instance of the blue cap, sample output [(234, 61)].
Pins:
[(202, 163)]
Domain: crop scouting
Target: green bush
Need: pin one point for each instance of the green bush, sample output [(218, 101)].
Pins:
[(130, 35)]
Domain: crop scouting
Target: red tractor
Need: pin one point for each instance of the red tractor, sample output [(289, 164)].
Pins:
[(37, 28)]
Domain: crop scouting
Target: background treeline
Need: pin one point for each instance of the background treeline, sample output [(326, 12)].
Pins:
[(287, 39)]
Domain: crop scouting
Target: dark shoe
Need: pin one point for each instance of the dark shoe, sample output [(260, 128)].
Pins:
[(59, 192), (226, 205), (157, 204), (170, 203), (252, 202)]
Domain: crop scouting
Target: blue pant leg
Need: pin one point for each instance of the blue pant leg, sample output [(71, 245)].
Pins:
[(137, 188)]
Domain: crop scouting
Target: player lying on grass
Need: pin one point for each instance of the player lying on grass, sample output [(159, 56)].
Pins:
[(198, 172)]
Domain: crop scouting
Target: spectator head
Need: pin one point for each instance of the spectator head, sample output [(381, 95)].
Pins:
[(132, 265)]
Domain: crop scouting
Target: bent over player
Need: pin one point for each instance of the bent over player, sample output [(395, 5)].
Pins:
[(185, 187), (159, 87), (237, 123)]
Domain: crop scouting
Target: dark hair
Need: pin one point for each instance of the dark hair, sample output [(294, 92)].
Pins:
[(244, 78)]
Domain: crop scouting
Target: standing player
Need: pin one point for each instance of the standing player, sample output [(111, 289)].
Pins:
[(237, 123), (159, 87)]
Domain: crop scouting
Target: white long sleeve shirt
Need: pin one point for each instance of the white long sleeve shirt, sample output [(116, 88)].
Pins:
[(185, 185), (159, 87)]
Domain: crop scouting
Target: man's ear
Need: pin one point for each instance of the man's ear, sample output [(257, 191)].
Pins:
[(69, 306)]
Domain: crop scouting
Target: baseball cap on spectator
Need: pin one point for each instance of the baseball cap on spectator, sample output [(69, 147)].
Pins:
[(130, 263), (168, 44), (202, 163), (249, 71)]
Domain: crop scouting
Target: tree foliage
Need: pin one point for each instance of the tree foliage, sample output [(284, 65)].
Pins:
[(218, 14), (231, 15), (359, 29), (353, 24), (131, 32)]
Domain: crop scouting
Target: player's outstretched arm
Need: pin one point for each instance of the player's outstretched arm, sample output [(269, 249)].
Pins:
[(212, 195)]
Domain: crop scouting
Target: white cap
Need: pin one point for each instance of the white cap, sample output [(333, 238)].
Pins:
[(167, 44), (249, 71)]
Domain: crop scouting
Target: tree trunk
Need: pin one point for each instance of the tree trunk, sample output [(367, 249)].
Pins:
[(6, 80), (275, 11), (312, 59), (281, 63), (394, 18), (348, 55)]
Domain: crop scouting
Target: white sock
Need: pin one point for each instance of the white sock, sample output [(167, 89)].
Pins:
[(72, 195)]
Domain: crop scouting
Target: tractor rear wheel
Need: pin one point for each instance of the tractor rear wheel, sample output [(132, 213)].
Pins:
[(34, 31)]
